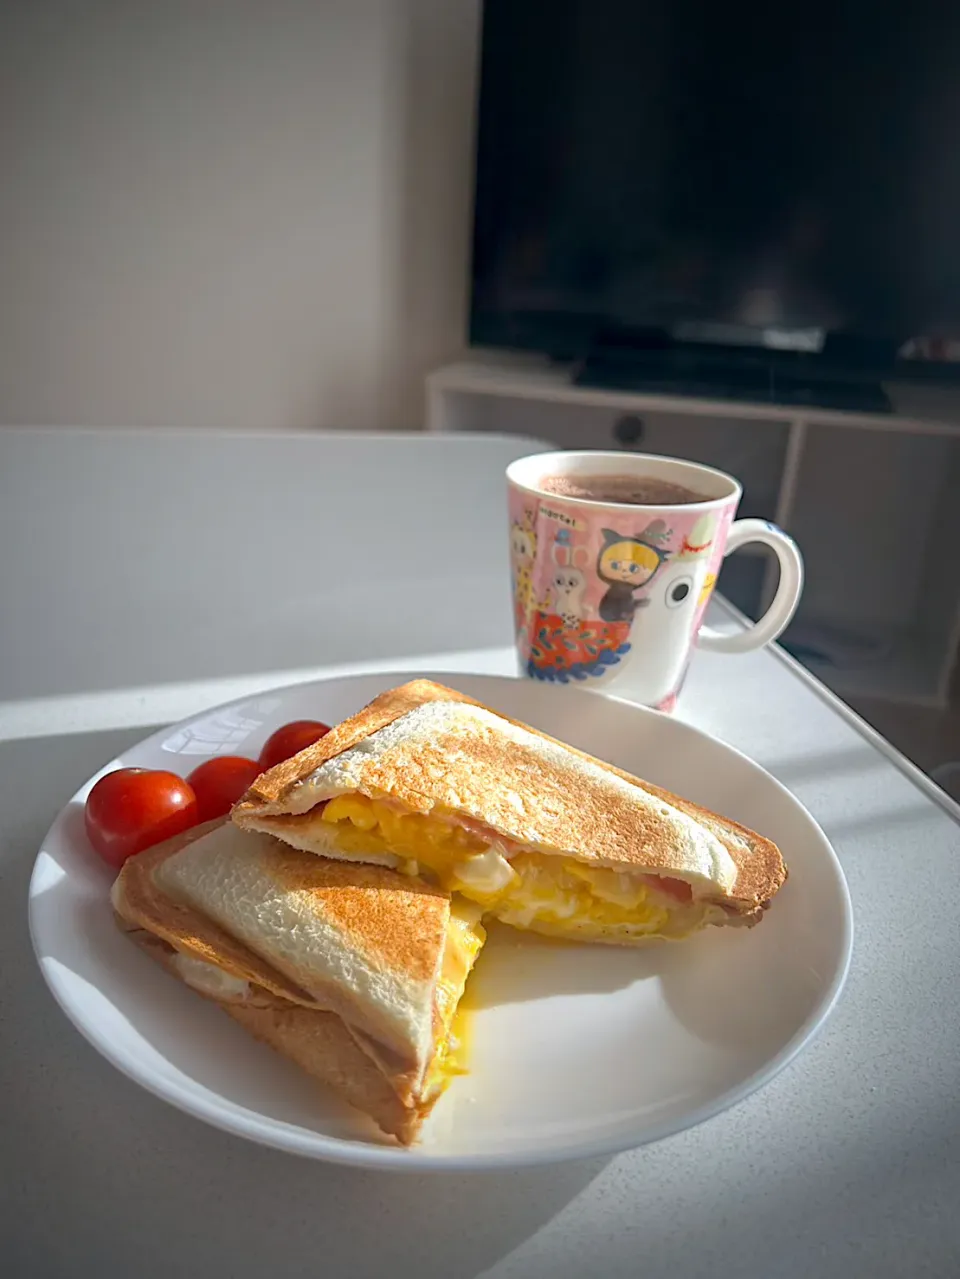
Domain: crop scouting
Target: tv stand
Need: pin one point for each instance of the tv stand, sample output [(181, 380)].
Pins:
[(868, 495), (688, 372)]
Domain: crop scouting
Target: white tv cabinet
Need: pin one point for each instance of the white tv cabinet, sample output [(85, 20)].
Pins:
[(873, 500)]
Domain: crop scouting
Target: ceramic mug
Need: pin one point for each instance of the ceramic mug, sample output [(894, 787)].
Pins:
[(613, 594)]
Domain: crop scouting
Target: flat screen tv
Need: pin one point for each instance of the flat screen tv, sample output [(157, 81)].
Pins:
[(720, 187)]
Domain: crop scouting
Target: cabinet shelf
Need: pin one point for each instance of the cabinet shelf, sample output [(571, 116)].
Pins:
[(869, 498)]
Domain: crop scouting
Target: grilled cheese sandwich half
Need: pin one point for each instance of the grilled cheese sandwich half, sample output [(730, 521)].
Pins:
[(353, 971), (538, 834)]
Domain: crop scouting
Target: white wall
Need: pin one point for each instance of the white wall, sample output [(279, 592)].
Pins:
[(232, 212)]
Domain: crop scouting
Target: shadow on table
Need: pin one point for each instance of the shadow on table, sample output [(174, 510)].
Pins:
[(130, 1168), (97, 1169), (887, 821), (792, 770)]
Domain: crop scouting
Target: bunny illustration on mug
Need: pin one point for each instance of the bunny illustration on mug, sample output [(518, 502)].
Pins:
[(569, 582)]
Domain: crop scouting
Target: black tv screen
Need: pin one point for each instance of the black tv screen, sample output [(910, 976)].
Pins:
[(715, 169)]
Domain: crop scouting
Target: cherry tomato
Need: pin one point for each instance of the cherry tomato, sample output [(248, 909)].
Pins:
[(133, 808), (290, 740), (220, 782)]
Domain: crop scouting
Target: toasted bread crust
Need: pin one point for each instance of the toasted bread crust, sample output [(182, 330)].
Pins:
[(383, 710), (413, 914), (609, 828), (320, 1043), (138, 900)]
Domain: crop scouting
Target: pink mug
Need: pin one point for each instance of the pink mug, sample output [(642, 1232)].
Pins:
[(612, 595)]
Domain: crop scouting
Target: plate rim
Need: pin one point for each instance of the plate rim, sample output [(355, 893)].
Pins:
[(279, 1135)]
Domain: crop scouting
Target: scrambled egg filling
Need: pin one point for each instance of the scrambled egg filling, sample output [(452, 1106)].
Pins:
[(549, 894), (465, 938)]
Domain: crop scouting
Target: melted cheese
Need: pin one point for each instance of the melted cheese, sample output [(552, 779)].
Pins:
[(208, 979), (549, 894), (465, 938)]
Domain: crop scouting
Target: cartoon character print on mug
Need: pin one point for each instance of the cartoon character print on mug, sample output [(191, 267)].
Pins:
[(648, 586), (568, 585), (627, 563), (569, 638), (523, 554), (668, 613)]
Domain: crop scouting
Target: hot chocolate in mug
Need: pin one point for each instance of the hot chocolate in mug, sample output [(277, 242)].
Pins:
[(612, 594)]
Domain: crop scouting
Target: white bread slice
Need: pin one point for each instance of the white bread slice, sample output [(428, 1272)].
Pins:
[(308, 832), (431, 749), (357, 940), (467, 760), (320, 1043)]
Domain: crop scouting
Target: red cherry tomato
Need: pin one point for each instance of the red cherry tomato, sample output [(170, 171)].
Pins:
[(290, 740), (220, 782), (133, 808)]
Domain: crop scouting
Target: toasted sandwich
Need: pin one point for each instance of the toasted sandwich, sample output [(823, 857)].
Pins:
[(352, 971), (542, 836)]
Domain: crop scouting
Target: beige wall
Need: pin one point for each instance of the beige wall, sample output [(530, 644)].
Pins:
[(232, 212)]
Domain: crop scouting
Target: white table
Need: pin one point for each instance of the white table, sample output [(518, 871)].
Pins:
[(847, 1165)]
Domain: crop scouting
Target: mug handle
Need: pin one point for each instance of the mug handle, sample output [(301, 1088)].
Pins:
[(784, 603)]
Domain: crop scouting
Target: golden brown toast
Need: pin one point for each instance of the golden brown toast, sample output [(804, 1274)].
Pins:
[(318, 1042), (524, 785), (388, 931)]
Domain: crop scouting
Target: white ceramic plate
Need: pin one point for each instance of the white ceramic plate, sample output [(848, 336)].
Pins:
[(577, 1050)]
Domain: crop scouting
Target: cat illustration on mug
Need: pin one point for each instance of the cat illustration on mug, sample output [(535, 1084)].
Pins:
[(626, 563)]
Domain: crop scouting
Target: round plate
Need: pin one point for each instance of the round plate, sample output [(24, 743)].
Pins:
[(576, 1050)]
